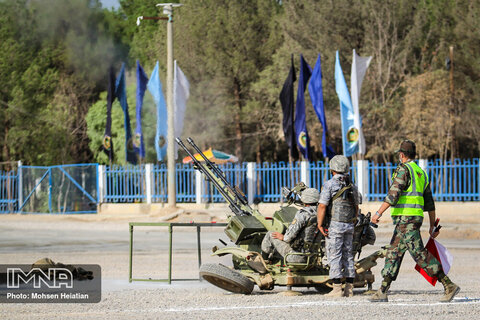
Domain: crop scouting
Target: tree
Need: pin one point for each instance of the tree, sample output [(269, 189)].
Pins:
[(427, 114), (223, 46), (51, 53)]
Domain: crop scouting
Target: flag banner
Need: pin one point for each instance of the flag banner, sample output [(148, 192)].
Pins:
[(155, 87), (121, 93), (359, 68), (349, 132), (303, 140), (315, 89), (214, 156), (181, 92), (142, 79), (443, 256), (107, 137), (286, 100)]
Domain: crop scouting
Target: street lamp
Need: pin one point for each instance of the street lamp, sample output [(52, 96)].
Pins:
[(168, 10)]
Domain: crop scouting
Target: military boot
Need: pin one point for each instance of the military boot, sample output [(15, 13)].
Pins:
[(451, 289), (348, 291), (336, 292), (379, 296)]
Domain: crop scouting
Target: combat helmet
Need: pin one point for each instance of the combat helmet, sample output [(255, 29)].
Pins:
[(339, 164), (310, 195)]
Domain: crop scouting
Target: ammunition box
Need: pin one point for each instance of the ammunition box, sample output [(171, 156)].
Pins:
[(285, 215), (241, 226)]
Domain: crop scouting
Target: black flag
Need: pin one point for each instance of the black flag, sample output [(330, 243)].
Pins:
[(107, 138), (286, 99)]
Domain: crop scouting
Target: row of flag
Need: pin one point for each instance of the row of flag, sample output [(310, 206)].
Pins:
[(295, 128), (117, 90), (294, 119)]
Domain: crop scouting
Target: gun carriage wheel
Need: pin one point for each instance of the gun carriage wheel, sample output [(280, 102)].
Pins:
[(226, 278)]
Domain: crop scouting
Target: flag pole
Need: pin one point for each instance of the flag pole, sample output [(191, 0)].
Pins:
[(168, 10), (290, 164)]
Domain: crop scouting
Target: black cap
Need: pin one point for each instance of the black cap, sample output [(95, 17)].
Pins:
[(407, 146)]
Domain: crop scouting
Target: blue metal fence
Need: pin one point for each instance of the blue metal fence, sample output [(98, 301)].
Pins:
[(450, 181), (271, 177), (159, 180), (125, 183), (185, 183), (236, 174), (457, 180), (379, 177), (454, 181), (61, 189), (8, 191), (319, 174)]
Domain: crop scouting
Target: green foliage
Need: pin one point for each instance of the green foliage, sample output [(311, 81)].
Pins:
[(54, 57), (51, 54)]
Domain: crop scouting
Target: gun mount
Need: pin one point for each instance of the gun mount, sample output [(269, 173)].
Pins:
[(245, 219), (246, 229)]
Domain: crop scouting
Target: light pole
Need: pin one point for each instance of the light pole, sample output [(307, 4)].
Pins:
[(168, 10)]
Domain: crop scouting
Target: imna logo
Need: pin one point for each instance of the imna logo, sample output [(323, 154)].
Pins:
[(54, 278)]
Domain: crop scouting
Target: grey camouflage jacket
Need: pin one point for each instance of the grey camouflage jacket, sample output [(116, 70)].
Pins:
[(302, 229)]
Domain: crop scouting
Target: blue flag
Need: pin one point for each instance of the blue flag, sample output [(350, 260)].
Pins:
[(142, 80), (315, 89), (303, 140), (155, 87), (121, 94), (349, 132)]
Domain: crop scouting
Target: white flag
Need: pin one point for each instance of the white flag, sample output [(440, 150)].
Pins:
[(181, 92), (446, 258), (359, 67)]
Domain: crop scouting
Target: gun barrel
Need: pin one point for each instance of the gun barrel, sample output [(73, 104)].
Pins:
[(212, 176), (218, 172)]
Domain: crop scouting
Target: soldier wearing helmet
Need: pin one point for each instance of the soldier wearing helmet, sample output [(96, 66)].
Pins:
[(409, 196), (300, 233), (337, 211)]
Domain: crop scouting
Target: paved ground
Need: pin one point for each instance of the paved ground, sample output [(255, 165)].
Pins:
[(73, 240)]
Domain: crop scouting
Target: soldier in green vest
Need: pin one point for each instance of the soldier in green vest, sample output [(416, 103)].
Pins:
[(409, 196)]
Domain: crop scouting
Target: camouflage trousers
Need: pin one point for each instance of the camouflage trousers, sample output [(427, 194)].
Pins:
[(406, 236), (271, 245), (339, 250)]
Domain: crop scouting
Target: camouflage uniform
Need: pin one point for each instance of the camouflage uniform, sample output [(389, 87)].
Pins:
[(406, 235), (301, 230), (340, 234)]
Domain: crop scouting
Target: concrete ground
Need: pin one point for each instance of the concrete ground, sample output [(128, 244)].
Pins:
[(104, 240)]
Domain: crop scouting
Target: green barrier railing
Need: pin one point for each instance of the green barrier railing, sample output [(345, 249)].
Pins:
[(170, 226)]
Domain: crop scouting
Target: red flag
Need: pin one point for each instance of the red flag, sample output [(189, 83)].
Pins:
[(439, 252)]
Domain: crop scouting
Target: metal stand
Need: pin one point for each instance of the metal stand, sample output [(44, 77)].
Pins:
[(170, 226)]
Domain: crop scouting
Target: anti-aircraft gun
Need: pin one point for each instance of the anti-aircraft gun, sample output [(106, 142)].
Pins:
[(247, 227)]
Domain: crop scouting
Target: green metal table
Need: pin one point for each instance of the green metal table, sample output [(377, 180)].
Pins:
[(170, 226)]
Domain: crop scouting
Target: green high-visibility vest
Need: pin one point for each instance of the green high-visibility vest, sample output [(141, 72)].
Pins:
[(410, 202)]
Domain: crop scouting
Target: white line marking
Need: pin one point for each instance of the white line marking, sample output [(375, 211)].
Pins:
[(400, 303)]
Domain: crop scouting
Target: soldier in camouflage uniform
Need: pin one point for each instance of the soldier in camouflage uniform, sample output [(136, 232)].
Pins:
[(409, 196), (339, 200), (300, 233)]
